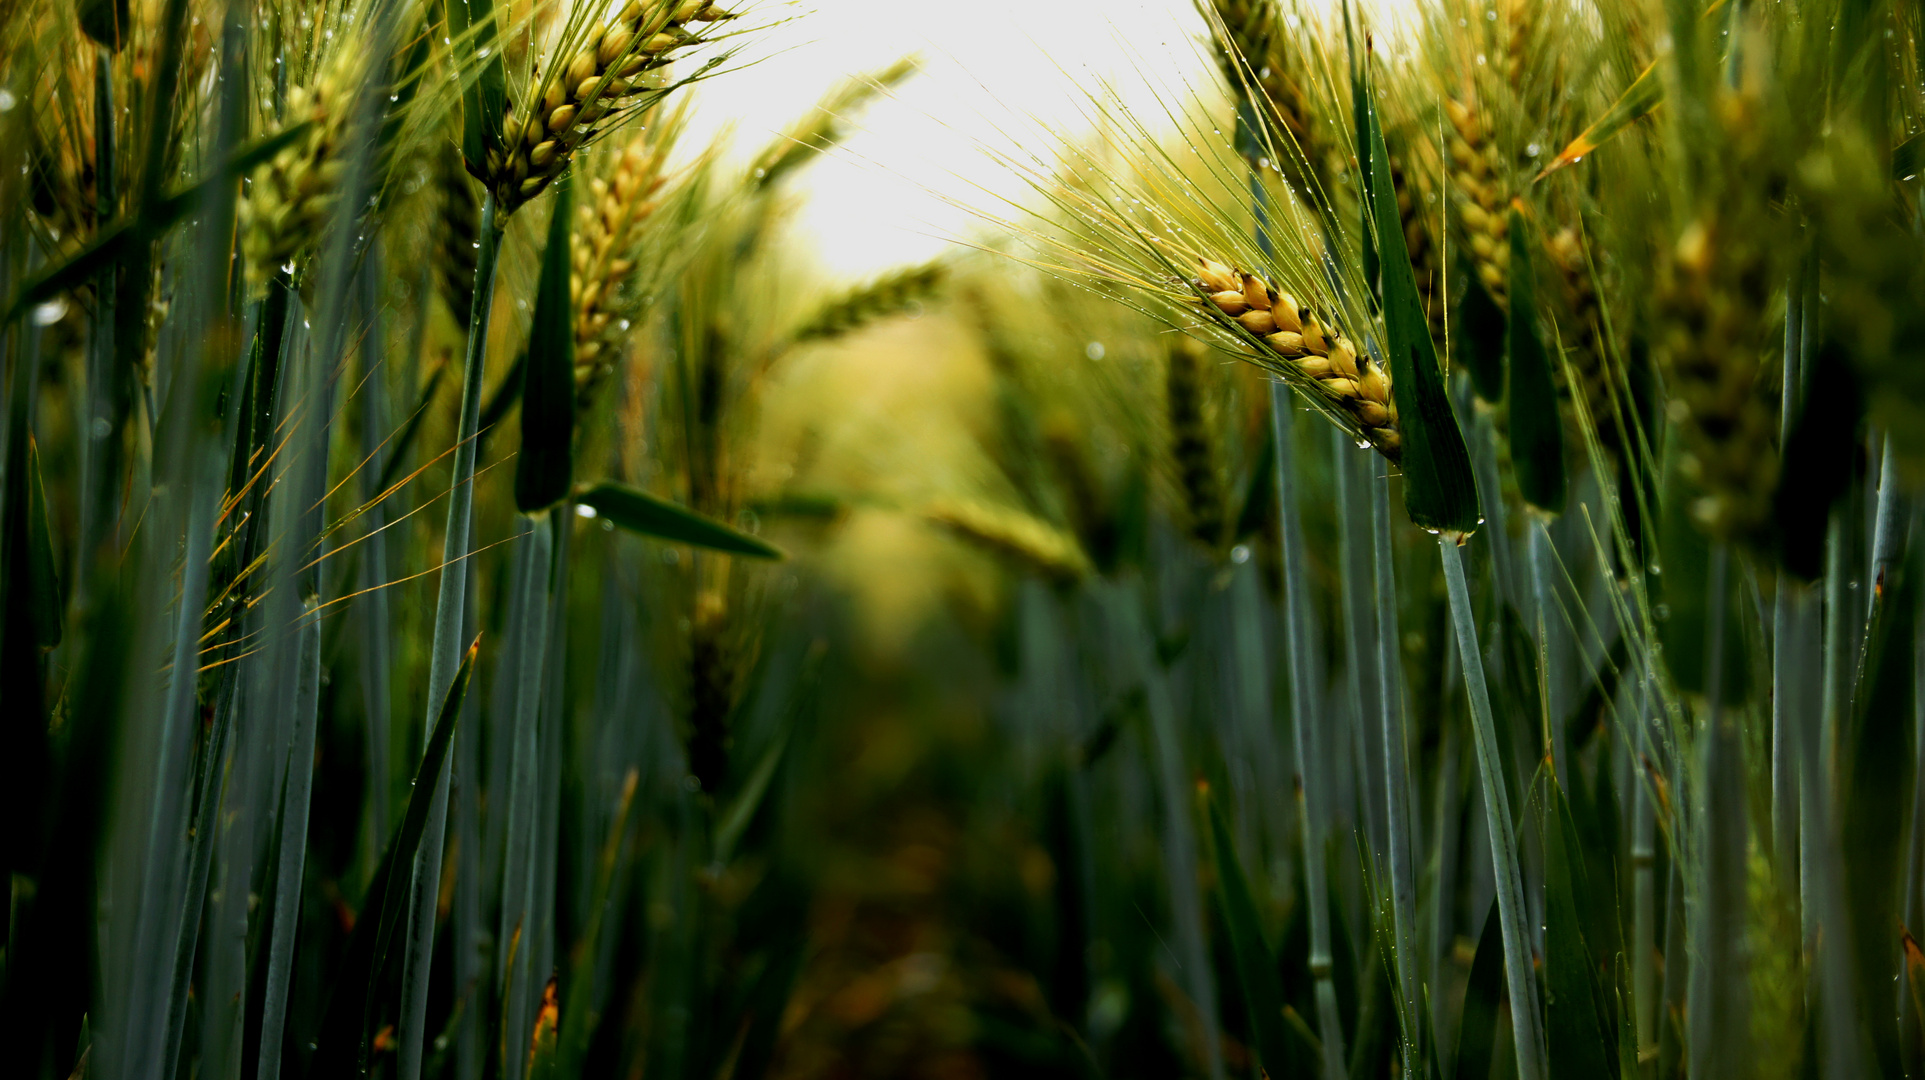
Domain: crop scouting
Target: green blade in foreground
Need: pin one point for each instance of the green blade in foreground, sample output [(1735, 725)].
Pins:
[(545, 465), (343, 1045), (1255, 963), (43, 575), (642, 513), (1574, 1020), (1483, 1001), (1536, 431), (1439, 492)]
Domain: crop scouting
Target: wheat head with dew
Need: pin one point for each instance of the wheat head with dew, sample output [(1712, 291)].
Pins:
[(612, 240), (597, 77), (1176, 232)]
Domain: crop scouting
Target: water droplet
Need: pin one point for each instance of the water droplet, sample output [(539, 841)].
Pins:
[(7, 101), (1094, 350), (584, 510), (1240, 554), (50, 312)]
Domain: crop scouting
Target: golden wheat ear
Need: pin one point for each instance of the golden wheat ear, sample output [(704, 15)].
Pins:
[(1295, 336), (601, 79)]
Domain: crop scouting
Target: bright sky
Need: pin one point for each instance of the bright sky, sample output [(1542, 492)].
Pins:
[(991, 68)]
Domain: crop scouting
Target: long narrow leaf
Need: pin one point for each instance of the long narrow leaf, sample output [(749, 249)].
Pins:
[(644, 514), (1439, 492), (545, 464), (342, 1049)]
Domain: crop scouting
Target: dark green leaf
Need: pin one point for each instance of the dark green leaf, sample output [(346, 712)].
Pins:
[(1573, 1024), (1685, 611), (1439, 492), (639, 512), (1256, 967), (545, 465), (1483, 1000), (1536, 432), (43, 583), (347, 1028), (1816, 471), (1875, 779), (1480, 339)]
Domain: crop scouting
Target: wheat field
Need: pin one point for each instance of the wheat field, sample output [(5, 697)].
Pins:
[(1325, 573)]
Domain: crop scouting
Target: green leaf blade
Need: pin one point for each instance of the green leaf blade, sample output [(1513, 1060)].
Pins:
[(1256, 966), (1536, 431), (646, 515), (545, 466), (342, 1048), (1439, 492)]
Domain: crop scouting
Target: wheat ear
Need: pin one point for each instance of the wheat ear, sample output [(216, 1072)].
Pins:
[(289, 199), (1482, 204), (1291, 332), (597, 80), (1029, 542), (1711, 294), (618, 206), (457, 235)]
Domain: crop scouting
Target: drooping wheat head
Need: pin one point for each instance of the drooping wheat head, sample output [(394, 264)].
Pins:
[(599, 81), (890, 294), (1322, 356)]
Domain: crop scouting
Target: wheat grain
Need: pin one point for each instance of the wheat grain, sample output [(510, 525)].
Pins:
[(598, 82), (604, 258), (1482, 201), (1292, 332)]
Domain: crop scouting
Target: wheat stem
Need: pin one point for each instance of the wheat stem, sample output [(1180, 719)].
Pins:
[(1397, 780), (450, 601), (1526, 1022), (1303, 725)]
